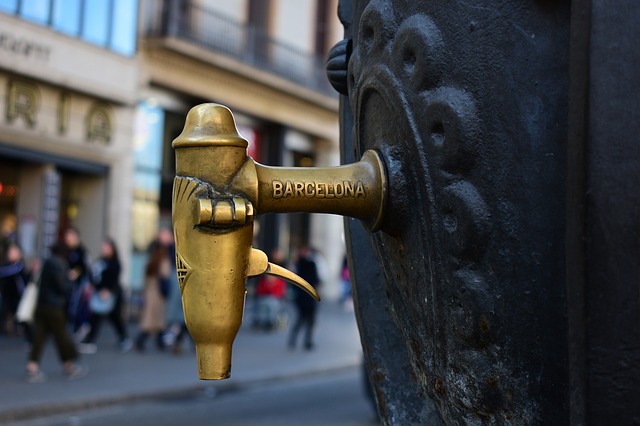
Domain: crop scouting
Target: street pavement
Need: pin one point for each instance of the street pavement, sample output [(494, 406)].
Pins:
[(115, 378)]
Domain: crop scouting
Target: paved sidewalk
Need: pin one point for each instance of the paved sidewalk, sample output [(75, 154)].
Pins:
[(115, 377)]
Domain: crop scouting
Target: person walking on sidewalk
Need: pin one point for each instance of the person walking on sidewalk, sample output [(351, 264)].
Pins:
[(156, 288), (106, 281), (12, 283), (177, 329), (306, 307), (78, 302), (50, 318)]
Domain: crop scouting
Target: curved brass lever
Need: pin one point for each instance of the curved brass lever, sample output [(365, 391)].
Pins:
[(259, 264), (217, 192)]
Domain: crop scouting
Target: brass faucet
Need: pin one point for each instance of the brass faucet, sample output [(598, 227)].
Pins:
[(217, 192)]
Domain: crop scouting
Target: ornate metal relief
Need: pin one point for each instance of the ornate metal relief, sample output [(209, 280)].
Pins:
[(444, 289)]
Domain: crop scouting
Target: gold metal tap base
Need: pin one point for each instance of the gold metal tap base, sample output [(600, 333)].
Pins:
[(217, 192)]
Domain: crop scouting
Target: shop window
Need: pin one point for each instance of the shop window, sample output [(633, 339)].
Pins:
[(9, 189), (148, 149), (300, 223)]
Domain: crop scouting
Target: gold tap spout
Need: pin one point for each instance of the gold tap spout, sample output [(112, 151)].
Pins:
[(355, 190), (217, 192)]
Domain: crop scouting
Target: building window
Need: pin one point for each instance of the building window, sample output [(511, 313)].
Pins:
[(10, 6), (66, 16), (35, 10), (107, 23), (123, 26), (95, 22)]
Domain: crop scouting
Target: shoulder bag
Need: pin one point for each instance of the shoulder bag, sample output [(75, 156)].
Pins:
[(29, 300)]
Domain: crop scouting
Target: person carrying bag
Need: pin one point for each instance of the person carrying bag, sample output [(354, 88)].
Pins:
[(50, 318), (102, 302), (29, 299), (107, 299)]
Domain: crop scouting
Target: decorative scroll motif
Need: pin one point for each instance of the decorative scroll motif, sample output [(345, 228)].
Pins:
[(183, 270), (405, 105), (185, 191)]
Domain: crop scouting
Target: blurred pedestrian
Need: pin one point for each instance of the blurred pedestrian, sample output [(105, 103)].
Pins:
[(108, 296), (306, 306), (156, 290), (50, 318), (270, 294), (177, 329), (78, 303), (346, 299), (12, 283), (7, 233)]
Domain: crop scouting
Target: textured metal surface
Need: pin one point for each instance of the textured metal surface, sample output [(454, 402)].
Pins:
[(467, 104), (398, 394), (396, 389)]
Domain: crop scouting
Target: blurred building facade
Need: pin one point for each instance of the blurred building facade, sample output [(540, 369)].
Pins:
[(264, 60), (95, 95), (68, 90)]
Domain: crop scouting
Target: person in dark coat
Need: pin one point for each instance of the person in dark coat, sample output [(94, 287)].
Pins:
[(50, 318), (106, 282), (12, 283), (306, 306), (78, 303)]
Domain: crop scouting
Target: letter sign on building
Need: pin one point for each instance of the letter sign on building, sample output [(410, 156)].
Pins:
[(99, 123), (23, 100)]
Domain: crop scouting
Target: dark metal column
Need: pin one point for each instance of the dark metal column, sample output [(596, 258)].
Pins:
[(468, 105), (603, 226), (507, 290)]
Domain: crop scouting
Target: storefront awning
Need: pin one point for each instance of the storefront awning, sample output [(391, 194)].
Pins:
[(62, 162)]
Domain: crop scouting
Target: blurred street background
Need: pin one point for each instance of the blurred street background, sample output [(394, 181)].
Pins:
[(93, 93), (91, 96), (269, 385)]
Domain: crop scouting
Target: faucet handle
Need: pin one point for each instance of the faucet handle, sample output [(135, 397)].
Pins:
[(259, 264), (222, 212)]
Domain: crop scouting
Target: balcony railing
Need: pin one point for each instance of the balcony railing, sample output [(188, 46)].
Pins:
[(211, 30)]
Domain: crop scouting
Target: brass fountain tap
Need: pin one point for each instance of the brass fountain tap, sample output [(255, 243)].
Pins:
[(217, 192)]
